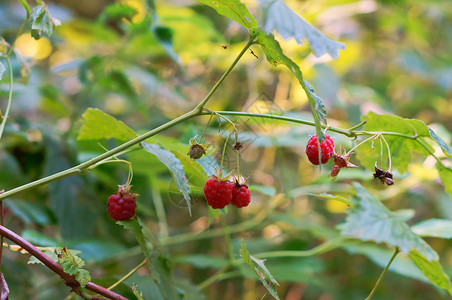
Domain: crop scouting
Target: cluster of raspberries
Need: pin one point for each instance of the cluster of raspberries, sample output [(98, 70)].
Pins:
[(219, 193)]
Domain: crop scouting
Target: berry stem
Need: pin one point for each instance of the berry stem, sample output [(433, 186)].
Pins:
[(127, 275), (383, 274), (205, 127), (238, 165), (224, 151), (389, 152), (362, 142)]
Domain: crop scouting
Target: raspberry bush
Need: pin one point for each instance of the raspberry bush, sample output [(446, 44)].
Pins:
[(220, 122)]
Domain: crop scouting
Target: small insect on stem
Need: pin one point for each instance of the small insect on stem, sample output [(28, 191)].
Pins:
[(254, 54)]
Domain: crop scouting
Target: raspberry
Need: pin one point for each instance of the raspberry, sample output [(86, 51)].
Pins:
[(218, 193), (327, 149), (121, 206), (241, 196)]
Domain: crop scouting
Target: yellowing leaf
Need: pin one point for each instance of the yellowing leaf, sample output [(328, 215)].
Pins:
[(97, 125)]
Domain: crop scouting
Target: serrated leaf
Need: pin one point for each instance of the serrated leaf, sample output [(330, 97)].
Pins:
[(370, 220), (279, 17), (432, 270), (260, 270), (72, 265), (97, 125), (434, 228), (175, 166), (275, 55), (234, 10), (2, 70), (42, 21), (401, 147), (444, 147), (445, 173)]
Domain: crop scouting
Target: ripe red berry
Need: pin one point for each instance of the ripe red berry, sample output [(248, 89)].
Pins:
[(241, 196), (218, 193), (327, 149), (121, 207)]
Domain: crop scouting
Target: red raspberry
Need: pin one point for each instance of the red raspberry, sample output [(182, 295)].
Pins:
[(121, 207), (327, 149), (241, 196), (218, 193)]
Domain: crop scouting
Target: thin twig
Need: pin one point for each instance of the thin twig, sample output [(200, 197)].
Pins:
[(69, 280), (383, 273)]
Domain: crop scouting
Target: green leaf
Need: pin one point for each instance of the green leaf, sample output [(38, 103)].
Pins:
[(175, 166), (260, 270), (275, 55), (117, 11), (97, 125), (333, 197), (2, 70), (434, 228), (279, 17), (370, 220), (234, 10), (445, 173), (135, 228), (25, 5), (402, 265), (432, 270), (72, 265), (42, 21), (401, 147), (445, 147)]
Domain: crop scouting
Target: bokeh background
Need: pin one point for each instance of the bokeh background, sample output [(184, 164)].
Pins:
[(397, 60)]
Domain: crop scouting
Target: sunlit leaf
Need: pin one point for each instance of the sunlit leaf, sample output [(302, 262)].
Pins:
[(117, 11), (234, 10), (434, 228), (279, 17), (72, 265), (258, 267), (445, 173), (400, 147), (97, 125), (175, 166), (432, 270), (370, 220), (275, 55)]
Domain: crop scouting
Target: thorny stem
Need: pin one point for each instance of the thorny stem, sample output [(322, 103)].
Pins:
[(383, 274), (55, 267), (128, 274)]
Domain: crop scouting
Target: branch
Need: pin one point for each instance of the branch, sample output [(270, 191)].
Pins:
[(69, 280)]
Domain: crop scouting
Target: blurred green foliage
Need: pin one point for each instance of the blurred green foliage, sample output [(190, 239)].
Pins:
[(145, 63)]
